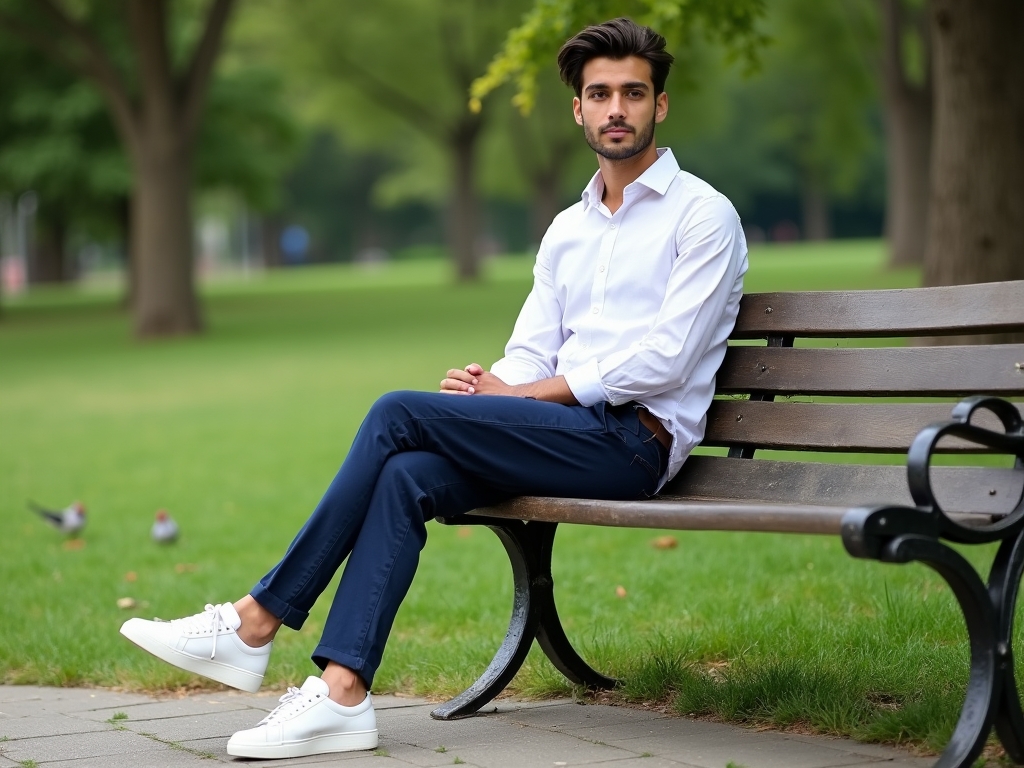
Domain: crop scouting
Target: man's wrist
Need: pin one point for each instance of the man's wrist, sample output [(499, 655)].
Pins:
[(523, 390)]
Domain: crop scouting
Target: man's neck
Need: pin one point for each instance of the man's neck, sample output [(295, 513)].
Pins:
[(619, 174)]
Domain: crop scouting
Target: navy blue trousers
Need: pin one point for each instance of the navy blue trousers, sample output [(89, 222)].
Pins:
[(420, 455)]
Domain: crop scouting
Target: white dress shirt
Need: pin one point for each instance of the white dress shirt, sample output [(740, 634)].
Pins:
[(636, 305)]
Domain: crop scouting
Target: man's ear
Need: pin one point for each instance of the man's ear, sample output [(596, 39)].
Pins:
[(576, 110), (661, 107)]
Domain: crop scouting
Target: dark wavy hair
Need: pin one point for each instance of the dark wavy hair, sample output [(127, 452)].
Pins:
[(615, 39)]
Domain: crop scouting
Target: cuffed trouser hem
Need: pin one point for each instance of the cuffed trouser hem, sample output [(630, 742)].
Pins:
[(290, 617), (323, 654)]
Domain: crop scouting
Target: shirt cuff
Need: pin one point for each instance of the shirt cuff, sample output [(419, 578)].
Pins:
[(585, 383), (514, 372)]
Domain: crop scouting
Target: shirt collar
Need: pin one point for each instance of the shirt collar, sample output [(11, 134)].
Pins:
[(658, 178)]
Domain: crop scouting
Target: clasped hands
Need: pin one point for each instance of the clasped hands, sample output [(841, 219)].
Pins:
[(473, 380)]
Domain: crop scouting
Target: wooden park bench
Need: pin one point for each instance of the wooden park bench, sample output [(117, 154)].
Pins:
[(880, 400)]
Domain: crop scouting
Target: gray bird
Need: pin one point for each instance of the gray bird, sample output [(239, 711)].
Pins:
[(70, 520), (165, 530)]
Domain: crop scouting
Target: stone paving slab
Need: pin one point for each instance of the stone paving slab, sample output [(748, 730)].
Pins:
[(73, 728)]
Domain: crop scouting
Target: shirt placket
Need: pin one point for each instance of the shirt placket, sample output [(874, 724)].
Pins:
[(598, 292)]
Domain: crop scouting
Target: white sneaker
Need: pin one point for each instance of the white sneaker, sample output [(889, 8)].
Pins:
[(206, 644), (307, 722)]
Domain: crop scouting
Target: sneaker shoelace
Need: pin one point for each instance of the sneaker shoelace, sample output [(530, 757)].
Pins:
[(210, 620), (294, 701)]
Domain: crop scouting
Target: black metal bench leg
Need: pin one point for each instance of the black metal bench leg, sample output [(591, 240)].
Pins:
[(1004, 586), (533, 616), (523, 552), (550, 635), (990, 653)]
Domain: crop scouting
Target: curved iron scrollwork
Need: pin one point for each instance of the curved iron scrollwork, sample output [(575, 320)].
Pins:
[(1010, 442), (896, 534)]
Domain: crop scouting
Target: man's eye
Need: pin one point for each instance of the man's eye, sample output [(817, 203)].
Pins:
[(636, 94)]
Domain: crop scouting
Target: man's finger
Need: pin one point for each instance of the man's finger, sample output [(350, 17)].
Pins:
[(456, 375), (458, 385)]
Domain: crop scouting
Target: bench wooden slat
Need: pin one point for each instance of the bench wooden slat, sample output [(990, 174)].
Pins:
[(960, 309), (683, 515), (848, 427), (959, 489), (920, 371)]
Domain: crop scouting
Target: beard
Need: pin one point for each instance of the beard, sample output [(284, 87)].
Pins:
[(641, 140)]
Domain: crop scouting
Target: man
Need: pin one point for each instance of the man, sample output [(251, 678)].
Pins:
[(602, 393)]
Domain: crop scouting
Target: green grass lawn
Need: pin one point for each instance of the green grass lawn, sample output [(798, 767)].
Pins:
[(237, 432)]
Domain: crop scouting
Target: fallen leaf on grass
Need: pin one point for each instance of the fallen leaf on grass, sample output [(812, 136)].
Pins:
[(186, 568), (465, 532), (125, 603), (131, 576), (665, 542), (620, 591), (74, 544)]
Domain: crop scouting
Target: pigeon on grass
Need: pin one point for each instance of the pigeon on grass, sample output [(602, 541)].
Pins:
[(70, 520), (165, 530)]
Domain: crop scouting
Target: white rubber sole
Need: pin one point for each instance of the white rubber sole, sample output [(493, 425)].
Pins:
[(316, 745), (235, 677)]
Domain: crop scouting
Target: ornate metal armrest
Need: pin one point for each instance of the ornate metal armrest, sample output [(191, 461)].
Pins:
[(865, 529), (897, 534)]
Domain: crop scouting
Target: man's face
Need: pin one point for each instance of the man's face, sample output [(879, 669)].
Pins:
[(617, 108)]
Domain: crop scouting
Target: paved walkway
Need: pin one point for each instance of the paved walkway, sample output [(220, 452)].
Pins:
[(81, 728)]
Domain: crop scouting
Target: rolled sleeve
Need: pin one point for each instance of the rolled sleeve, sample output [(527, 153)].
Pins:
[(585, 383)]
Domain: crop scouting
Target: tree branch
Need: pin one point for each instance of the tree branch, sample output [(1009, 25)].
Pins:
[(385, 95), (96, 67), (196, 83), (892, 42)]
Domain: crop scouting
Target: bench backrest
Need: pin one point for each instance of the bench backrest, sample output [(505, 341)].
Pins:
[(837, 377)]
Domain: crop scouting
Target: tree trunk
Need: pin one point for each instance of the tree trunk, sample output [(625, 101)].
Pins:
[(464, 210), (977, 194), (815, 209), (270, 241), (908, 123), (123, 216), (165, 302), (546, 203), (47, 263)]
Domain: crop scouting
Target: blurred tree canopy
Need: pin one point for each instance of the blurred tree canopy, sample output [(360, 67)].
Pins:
[(397, 78), (86, 156), (152, 61), (57, 141)]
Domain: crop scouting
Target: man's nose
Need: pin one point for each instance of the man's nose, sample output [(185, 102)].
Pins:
[(615, 108)]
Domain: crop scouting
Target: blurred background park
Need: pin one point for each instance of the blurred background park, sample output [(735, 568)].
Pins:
[(301, 204)]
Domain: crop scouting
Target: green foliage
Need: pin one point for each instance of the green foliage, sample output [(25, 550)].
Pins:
[(56, 139), (248, 139), (820, 90), (56, 136), (394, 88), (809, 115), (549, 23)]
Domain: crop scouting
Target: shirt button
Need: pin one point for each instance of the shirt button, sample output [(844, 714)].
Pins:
[(601, 268), (612, 226), (595, 310)]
